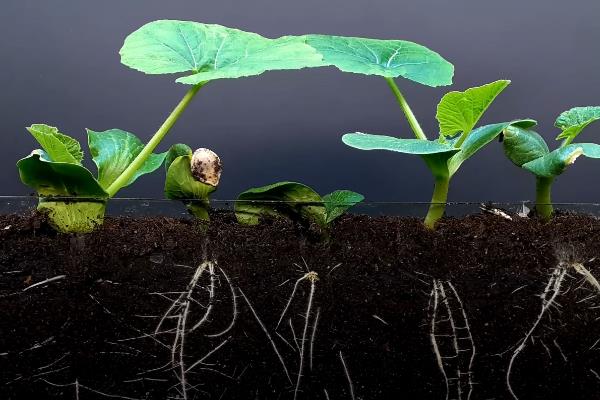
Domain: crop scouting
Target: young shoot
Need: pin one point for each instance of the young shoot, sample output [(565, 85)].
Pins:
[(294, 201), (457, 115), (202, 53), (192, 177), (528, 150)]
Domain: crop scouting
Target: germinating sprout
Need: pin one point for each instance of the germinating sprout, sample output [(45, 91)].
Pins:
[(295, 201), (528, 150)]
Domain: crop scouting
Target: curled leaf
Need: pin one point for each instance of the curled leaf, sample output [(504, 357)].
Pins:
[(58, 146), (523, 145), (573, 121), (555, 162)]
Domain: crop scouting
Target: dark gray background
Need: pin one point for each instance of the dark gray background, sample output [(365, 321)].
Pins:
[(59, 65)]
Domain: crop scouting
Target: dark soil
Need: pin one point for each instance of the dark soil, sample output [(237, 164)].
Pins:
[(384, 286)]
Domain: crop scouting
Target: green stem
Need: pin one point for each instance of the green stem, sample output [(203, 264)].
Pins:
[(543, 200), (461, 139), (438, 202), (412, 120), (141, 158)]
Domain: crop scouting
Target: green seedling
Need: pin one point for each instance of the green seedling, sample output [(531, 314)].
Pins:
[(70, 195), (528, 150), (200, 52), (192, 177), (457, 114), (294, 201)]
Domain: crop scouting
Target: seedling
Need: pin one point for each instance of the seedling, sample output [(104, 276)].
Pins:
[(528, 150), (192, 177), (295, 201), (72, 197), (202, 53), (457, 114)]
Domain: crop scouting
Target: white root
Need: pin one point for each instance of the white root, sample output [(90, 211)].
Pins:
[(234, 305), (266, 331), (312, 277), (551, 291), (56, 278), (458, 332), (347, 373), (312, 336)]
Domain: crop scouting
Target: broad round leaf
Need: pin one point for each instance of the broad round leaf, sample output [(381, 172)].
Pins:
[(206, 52), (113, 150), (50, 178), (434, 153), (338, 202), (283, 199), (58, 146), (459, 111), (573, 121), (523, 145), (388, 58)]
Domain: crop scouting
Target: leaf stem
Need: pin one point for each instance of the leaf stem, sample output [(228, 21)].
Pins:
[(543, 200), (412, 120), (437, 207), (141, 158)]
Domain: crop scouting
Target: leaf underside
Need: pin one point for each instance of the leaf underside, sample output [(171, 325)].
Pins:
[(460, 111), (113, 150), (283, 199), (206, 51), (388, 58)]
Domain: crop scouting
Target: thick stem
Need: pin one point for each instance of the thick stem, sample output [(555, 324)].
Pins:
[(438, 202), (543, 200), (412, 120), (141, 158)]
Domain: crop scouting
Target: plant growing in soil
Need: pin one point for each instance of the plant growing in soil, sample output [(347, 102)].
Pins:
[(528, 150), (204, 53), (457, 114), (295, 201), (70, 195), (192, 177)]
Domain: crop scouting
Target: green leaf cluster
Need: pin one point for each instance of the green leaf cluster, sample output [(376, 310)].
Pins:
[(294, 201), (56, 172)]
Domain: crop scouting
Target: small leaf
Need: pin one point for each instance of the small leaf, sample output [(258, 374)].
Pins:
[(459, 111), (435, 154), (338, 202), (113, 150), (283, 199), (523, 145), (181, 185), (175, 151), (58, 146), (208, 52), (555, 162), (479, 138), (573, 121), (388, 58), (51, 178)]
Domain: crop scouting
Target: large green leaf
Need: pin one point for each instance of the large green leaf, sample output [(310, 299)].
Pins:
[(523, 145), (50, 178), (388, 58), (181, 185), (459, 111), (435, 154), (206, 52), (113, 150), (338, 202), (58, 146), (555, 162), (283, 199), (479, 138), (573, 121)]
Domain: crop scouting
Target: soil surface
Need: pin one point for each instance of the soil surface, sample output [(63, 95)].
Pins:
[(159, 308)]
